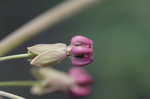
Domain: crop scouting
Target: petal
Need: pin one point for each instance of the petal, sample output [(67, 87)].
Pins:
[(81, 91), (81, 50), (81, 62), (81, 40), (81, 76), (40, 48), (81, 56)]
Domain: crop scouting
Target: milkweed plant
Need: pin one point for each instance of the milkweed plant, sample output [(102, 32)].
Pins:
[(77, 82)]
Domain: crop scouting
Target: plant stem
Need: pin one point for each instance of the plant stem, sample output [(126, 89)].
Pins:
[(16, 56), (18, 83), (9, 95)]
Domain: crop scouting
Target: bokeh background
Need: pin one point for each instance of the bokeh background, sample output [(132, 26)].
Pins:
[(120, 30)]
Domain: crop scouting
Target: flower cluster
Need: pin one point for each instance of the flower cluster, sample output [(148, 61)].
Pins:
[(77, 81)]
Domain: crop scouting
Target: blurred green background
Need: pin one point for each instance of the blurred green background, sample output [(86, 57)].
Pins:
[(120, 30)]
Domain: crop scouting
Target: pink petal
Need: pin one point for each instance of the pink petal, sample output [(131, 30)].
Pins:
[(81, 91), (81, 76), (81, 40), (81, 62)]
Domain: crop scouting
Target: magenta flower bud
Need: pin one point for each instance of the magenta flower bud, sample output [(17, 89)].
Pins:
[(81, 76), (81, 91), (81, 51)]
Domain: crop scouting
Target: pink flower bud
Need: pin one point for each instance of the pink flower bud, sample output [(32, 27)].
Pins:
[(81, 51)]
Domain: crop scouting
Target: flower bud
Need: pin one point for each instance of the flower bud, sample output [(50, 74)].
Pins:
[(53, 80), (48, 54), (81, 51)]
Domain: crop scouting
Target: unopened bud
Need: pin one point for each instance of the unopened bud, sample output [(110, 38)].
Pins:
[(48, 54), (52, 81)]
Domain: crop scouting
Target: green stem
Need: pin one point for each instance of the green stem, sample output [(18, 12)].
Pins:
[(18, 83), (26, 55)]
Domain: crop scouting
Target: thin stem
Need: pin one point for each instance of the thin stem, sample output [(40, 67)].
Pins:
[(18, 83), (9, 95), (15, 56)]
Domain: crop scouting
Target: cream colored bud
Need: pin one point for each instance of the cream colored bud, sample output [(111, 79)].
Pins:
[(48, 54), (52, 81)]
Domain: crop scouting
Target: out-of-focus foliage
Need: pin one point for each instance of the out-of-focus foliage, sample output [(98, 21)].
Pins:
[(120, 30)]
